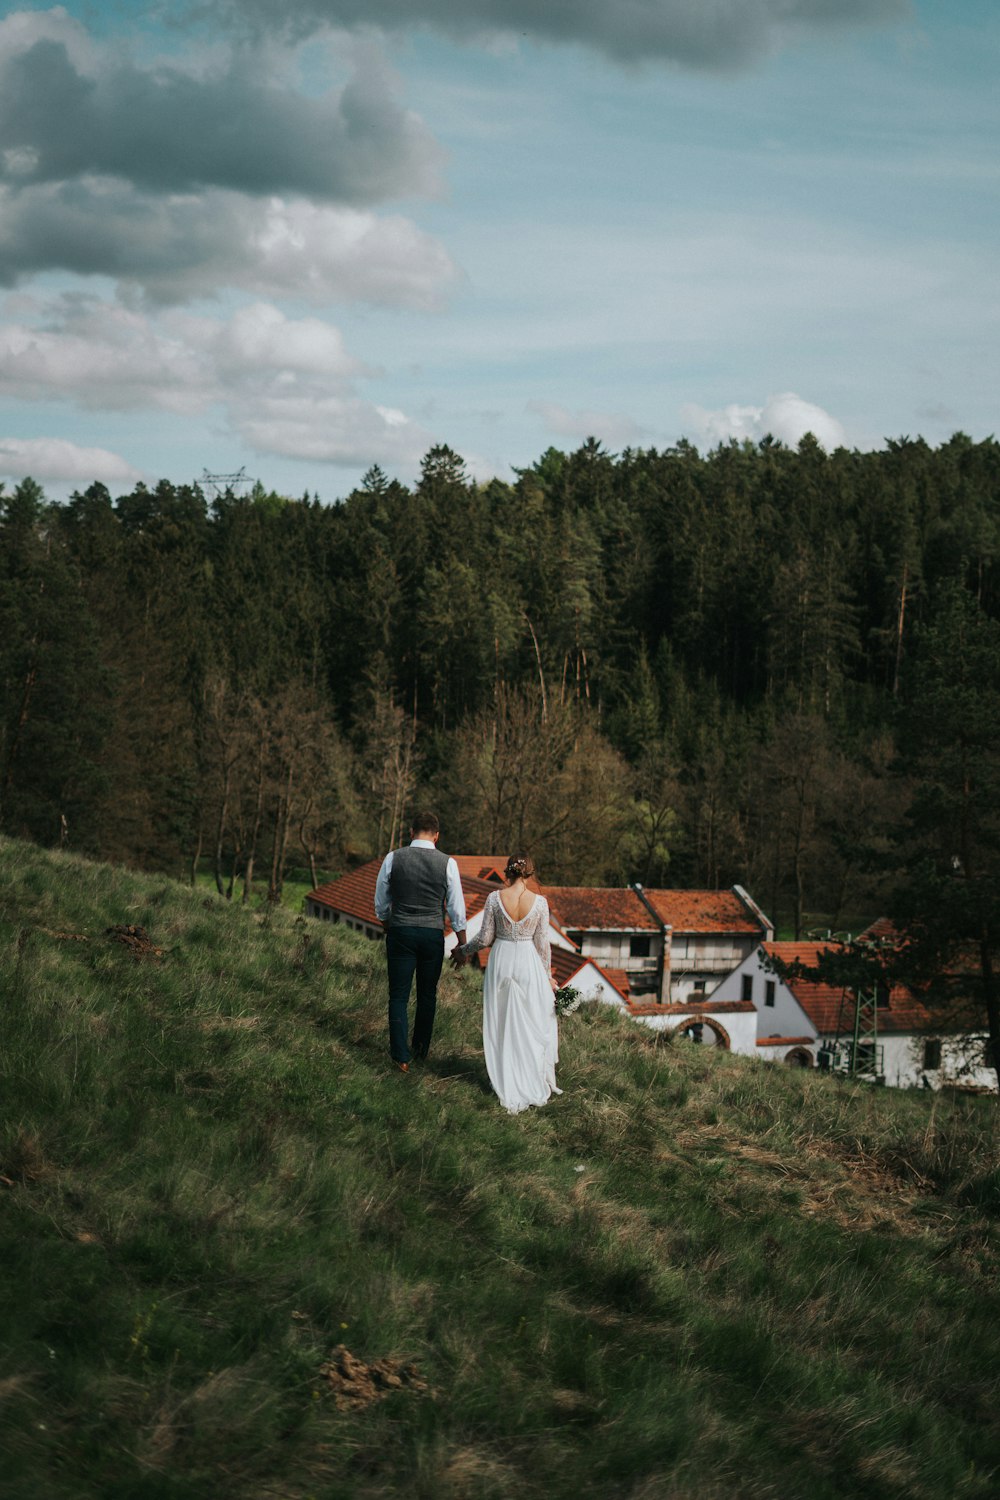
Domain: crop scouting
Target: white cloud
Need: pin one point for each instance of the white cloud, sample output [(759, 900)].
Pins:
[(24, 29), (786, 417), (696, 33), (177, 248), (69, 111), (106, 357), (56, 459), (102, 357), (259, 343), (613, 428), (286, 385), (213, 169), (330, 429)]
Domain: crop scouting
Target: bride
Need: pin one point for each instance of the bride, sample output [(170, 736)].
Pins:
[(520, 1034)]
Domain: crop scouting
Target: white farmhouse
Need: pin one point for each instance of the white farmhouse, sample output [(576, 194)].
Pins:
[(799, 1021), (672, 946)]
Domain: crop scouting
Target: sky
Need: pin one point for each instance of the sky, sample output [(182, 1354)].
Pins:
[(300, 240)]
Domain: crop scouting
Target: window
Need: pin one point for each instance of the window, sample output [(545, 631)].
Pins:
[(747, 991), (638, 947), (769, 992), (932, 1053), (698, 989)]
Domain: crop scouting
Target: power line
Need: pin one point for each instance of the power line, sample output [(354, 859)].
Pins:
[(221, 483)]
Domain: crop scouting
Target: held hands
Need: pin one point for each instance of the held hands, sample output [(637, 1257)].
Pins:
[(458, 958)]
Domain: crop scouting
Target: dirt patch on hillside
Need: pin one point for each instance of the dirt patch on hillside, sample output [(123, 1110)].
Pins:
[(355, 1384), (65, 937), (136, 939)]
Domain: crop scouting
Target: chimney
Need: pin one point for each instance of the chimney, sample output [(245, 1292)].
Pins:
[(666, 934), (666, 958)]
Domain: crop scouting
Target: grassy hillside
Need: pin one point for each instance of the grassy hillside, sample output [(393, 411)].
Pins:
[(692, 1277)]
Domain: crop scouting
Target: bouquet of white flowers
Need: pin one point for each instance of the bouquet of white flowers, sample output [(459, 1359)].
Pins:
[(567, 1000)]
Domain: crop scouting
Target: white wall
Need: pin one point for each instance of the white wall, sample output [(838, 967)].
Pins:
[(593, 986), (785, 1018), (740, 1026), (961, 1062), (780, 1054)]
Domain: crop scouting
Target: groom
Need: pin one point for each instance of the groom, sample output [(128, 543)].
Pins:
[(414, 886)]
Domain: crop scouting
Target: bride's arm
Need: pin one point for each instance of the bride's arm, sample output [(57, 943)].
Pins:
[(487, 931), (540, 938)]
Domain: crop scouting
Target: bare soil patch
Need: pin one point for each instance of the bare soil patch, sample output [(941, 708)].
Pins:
[(355, 1384), (136, 939)]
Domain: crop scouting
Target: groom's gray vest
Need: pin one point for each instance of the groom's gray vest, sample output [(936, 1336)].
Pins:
[(418, 884)]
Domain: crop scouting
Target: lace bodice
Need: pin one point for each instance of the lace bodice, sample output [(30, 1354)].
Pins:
[(498, 927)]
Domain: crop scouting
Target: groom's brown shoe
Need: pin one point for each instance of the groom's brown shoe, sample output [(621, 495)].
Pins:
[(401, 1067)]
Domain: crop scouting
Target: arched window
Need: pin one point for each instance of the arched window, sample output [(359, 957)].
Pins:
[(705, 1030)]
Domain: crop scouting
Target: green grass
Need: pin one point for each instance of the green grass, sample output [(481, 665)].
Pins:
[(691, 1277)]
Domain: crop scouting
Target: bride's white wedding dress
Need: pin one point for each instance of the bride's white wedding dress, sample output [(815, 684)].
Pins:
[(520, 1032)]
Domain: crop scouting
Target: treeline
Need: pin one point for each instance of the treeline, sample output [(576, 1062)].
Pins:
[(667, 666)]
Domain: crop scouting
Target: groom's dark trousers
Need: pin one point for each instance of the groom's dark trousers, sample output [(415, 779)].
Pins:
[(412, 951), (415, 885)]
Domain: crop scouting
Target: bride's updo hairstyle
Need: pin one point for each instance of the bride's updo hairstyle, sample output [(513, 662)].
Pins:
[(519, 867)]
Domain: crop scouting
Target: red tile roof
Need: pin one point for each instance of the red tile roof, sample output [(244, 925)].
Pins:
[(608, 909), (354, 893), (831, 1008), (482, 866), (704, 911), (585, 908), (696, 1008), (883, 930), (578, 908), (488, 867)]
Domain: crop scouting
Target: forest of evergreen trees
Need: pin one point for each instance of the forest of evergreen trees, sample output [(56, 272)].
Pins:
[(765, 665)]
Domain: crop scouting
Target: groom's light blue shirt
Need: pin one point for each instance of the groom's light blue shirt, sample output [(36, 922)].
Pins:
[(454, 899)]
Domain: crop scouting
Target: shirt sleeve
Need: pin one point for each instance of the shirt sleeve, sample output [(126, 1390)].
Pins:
[(487, 929), (455, 898), (540, 936), (383, 900)]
